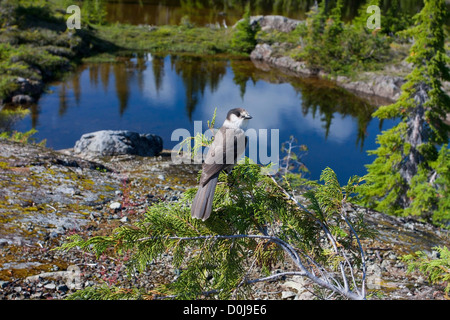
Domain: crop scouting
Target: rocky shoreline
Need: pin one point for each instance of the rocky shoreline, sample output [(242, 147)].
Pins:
[(385, 84), (372, 84), (47, 195)]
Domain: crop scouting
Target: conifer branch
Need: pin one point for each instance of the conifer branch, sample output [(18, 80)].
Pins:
[(254, 224), (335, 246)]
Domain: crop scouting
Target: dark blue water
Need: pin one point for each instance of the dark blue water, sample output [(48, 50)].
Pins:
[(155, 94)]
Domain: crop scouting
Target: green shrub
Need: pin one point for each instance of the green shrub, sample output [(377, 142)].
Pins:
[(244, 37), (254, 223), (437, 270), (22, 137)]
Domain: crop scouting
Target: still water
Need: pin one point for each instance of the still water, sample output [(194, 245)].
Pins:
[(203, 12), (159, 94)]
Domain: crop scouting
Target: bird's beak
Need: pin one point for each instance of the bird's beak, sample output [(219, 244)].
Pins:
[(248, 117)]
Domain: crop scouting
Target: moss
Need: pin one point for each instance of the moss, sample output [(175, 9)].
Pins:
[(31, 209), (89, 181), (50, 171), (4, 165), (78, 208), (109, 188), (17, 254)]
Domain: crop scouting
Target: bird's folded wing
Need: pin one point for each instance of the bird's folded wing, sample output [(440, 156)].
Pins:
[(222, 155)]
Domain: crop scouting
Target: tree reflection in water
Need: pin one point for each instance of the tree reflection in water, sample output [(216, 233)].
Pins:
[(319, 98), (203, 12), (160, 93)]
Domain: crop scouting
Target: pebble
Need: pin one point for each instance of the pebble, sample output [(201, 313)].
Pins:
[(288, 295), (385, 264), (4, 242), (53, 234), (89, 283), (115, 206), (36, 295), (50, 286)]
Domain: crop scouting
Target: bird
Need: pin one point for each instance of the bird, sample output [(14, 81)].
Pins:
[(228, 145)]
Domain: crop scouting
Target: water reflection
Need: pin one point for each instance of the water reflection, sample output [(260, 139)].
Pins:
[(198, 74), (203, 12), (318, 98), (158, 94)]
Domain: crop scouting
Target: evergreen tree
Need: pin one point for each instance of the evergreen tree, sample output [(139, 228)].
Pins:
[(409, 175), (337, 47), (395, 19), (244, 38), (311, 34), (94, 11)]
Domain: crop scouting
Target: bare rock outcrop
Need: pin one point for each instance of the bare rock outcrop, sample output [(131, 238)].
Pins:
[(274, 22), (263, 52), (379, 85), (368, 83), (121, 142)]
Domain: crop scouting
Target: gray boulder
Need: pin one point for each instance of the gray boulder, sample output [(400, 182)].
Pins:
[(22, 99), (274, 22), (264, 52), (379, 85), (112, 143)]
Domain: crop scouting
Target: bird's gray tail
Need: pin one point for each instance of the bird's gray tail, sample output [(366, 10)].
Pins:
[(202, 204)]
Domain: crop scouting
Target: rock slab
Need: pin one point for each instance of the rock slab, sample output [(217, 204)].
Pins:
[(385, 86), (112, 143), (275, 22)]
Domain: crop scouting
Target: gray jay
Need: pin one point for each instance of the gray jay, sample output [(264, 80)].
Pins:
[(227, 147)]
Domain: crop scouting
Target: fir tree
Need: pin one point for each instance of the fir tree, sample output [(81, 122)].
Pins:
[(244, 37), (404, 178), (394, 17), (337, 47), (94, 11)]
